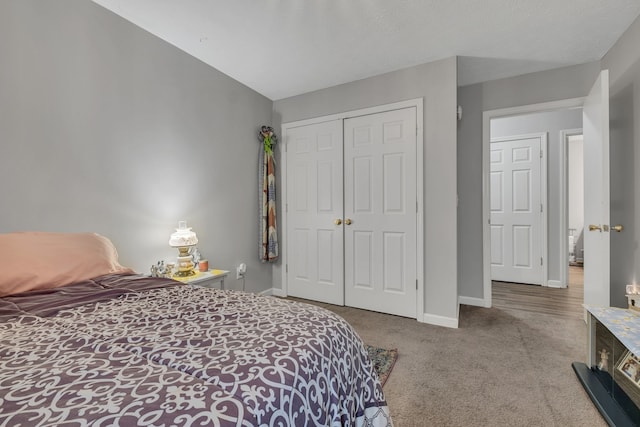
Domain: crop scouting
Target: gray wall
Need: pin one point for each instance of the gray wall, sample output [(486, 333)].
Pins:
[(106, 128), (436, 83), (545, 86), (623, 63), (550, 123)]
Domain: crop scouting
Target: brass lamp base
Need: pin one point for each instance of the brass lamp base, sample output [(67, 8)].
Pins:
[(185, 263), (185, 273)]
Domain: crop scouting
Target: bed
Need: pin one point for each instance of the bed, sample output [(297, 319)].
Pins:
[(121, 348)]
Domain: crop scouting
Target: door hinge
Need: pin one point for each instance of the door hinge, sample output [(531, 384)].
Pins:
[(416, 284), (286, 207), (541, 263), (540, 153), (417, 207), (541, 207), (286, 268)]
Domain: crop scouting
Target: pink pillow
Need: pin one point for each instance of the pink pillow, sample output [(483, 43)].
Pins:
[(40, 260)]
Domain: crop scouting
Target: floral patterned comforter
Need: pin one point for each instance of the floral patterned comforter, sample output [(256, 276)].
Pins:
[(115, 352)]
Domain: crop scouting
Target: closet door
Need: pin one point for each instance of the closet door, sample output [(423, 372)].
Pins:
[(315, 259), (516, 210), (380, 212)]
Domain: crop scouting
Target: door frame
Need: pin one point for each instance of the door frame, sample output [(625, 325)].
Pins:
[(564, 205), (543, 195), (487, 116), (418, 104)]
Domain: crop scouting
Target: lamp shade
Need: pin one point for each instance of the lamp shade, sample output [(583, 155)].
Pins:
[(183, 236)]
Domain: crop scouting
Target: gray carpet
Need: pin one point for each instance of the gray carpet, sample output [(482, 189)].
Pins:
[(500, 368)]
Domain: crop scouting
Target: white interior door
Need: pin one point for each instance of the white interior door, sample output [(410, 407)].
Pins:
[(314, 203), (596, 193), (380, 212), (516, 210)]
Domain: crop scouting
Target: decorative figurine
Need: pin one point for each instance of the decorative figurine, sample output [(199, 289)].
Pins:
[(160, 269), (196, 256), (604, 360)]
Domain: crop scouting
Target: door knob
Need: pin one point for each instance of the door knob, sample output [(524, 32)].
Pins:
[(617, 228), (347, 221), (595, 227), (338, 221)]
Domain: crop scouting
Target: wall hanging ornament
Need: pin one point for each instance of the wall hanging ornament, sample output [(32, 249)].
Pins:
[(267, 195)]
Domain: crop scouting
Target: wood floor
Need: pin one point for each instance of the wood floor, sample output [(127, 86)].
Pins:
[(565, 302)]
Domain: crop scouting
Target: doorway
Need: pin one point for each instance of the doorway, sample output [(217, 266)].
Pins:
[(513, 121), (595, 113), (572, 273), (539, 224)]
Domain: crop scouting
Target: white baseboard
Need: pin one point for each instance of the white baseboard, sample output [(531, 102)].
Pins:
[(434, 319), (478, 302), (276, 292), (431, 319), (555, 284)]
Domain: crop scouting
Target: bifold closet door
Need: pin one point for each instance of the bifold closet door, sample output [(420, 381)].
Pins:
[(380, 212), (315, 258)]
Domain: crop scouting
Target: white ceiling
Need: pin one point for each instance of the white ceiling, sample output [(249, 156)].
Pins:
[(282, 48)]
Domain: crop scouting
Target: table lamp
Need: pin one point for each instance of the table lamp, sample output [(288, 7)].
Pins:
[(183, 239)]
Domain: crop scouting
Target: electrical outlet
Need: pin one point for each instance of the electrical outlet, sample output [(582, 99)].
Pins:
[(241, 270)]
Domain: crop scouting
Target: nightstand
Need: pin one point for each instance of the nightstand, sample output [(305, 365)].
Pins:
[(208, 279)]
